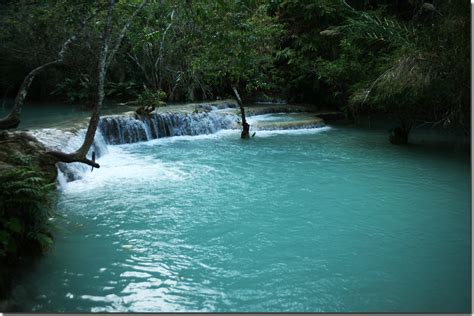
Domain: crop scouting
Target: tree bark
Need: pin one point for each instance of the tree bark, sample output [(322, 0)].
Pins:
[(73, 157), (95, 117), (245, 126), (106, 57)]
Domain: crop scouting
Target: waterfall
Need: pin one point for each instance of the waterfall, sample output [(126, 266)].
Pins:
[(129, 128), (69, 141), (119, 129)]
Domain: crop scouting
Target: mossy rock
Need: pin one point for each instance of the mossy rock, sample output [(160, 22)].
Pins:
[(22, 149)]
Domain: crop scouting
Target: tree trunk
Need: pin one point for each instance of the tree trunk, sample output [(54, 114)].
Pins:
[(72, 157), (105, 60), (245, 126), (12, 120)]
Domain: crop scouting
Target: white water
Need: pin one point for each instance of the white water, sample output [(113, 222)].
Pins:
[(119, 164), (159, 128)]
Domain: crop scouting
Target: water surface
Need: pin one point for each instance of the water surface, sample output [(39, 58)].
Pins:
[(324, 220)]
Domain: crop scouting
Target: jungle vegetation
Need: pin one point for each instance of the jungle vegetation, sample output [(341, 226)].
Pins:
[(409, 59)]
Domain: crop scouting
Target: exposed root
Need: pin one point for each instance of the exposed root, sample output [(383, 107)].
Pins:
[(9, 122)]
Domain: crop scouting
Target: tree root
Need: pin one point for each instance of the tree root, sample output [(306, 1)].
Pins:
[(9, 122)]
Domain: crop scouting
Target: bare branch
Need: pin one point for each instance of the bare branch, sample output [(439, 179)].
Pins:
[(106, 56), (73, 157), (94, 120), (12, 120)]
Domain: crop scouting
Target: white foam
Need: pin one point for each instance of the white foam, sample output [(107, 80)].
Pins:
[(301, 131), (120, 163), (225, 133), (270, 117), (120, 167)]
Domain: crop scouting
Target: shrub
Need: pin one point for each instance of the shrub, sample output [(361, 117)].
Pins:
[(151, 98)]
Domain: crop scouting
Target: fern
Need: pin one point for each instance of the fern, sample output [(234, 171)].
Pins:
[(24, 208)]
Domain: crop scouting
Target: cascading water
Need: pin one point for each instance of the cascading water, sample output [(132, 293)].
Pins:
[(124, 129), (69, 141), (131, 128)]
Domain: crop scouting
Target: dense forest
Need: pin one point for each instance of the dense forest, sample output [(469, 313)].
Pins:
[(407, 59)]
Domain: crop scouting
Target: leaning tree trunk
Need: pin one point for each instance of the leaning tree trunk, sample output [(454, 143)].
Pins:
[(105, 59), (12, 120), (245, 126)]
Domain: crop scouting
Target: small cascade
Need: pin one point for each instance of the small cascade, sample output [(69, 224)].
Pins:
[(126, 129), (69, 141), (285, 121), (131, 129)]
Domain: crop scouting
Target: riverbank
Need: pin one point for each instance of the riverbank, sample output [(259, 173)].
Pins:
[(28, 179)]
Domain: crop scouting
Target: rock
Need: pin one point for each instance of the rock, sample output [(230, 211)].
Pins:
[(21, 148)]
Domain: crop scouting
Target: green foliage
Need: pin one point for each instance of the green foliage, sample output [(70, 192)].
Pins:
[(76, 89), (405, 58), (122, 90), (375, 27), (416, 78), (238, 41), (149, 97), (408, 59), (32, 33), (25, 212)]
